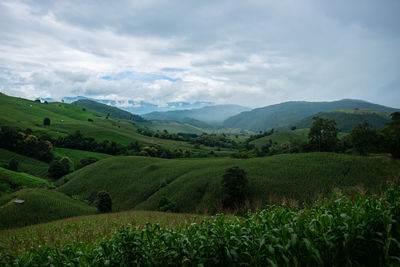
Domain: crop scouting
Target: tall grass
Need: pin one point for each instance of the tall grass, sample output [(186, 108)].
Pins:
[(340, 232)]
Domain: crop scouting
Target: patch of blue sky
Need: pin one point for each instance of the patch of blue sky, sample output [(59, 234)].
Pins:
[(172, 69), (139, 76)]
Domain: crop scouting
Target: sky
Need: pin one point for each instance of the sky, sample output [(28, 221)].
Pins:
[(251, 53)]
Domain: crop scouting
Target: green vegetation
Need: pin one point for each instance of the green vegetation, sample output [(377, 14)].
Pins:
[(77, 156), (363, 232), (288, 113), (280, 137), (25, 164), (235, 187), (40, 206), (195, 184), (347, 119), (88, 229), (104, 202), (11, 181)]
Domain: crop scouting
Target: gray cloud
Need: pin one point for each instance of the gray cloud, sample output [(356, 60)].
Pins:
[(252, 53)]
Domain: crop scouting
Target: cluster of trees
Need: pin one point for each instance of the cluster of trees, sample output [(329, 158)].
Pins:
[(25, 143), (211, 140), (260, 135)]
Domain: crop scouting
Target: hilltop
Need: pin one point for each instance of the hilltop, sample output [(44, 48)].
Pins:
[(284, 114)]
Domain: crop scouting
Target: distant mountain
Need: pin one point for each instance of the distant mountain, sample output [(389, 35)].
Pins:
[(281, 115), (106, 109), (209, 114), (347, 119), (140, 107)]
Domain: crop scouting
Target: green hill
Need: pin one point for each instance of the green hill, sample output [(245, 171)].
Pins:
[(77, 155), (40, 206), (11, 181), (26, 164), (113, 112), (194, 184), (347, 119), (281, 115), (68, 118)]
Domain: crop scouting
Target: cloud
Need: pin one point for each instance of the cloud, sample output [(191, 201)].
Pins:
[(253, 53)]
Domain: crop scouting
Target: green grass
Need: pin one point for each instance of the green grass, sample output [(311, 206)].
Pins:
[(88, 228), (339, 232), (281, 137), (77, 155), (194, 184), (11, 181), (26, 164), (40, 206)]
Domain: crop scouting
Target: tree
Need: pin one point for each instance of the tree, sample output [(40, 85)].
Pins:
[(59, 168), (363, 138), (394, 138), (235, 187), (323, 135), (46, 121), (104, 202), (86, 161), (13, 165), (166, 205)]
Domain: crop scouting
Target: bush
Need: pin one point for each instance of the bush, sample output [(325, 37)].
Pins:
[(46, 121), (86, 161), (13, 165), (165, 204), (235, 187), (104, 202)]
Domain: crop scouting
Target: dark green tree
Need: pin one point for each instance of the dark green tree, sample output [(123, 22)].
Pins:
[(394, 134), (323, 135), (235, 187), (165, 204), (363, 138), (13, 165), (86, 161), (59, 168), (46, 121), (104, 202)]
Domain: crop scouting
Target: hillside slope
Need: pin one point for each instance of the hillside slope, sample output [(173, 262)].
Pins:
[(25, 164), (40, 206), (347, 119), (194, 184), (114, 112), (11, 181), (281, 115), (210, 114)]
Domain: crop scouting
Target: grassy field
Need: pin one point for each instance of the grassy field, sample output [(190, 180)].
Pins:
[(77, 155), (26, 164), (88, 229), (40, 205), (68, 118), (194, 184), (11, 181), (281, 137)]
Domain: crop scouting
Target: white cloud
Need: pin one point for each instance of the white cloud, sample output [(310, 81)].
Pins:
[(252, 53)]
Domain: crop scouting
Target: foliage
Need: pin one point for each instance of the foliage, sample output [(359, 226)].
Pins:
[(235, 187), (86, 161), (104, 202), (331, 233), (59, 168), (46, 121), (165, 204), (323, 135), (13, 164), (363, 138)]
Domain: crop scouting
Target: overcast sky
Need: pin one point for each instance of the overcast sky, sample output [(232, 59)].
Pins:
[(252, 53)]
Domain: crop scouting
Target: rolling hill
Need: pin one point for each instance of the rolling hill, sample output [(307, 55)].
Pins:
[(194, 184), (40, 206), (209, 114), (11, 181), (281, 115), (347, 119)]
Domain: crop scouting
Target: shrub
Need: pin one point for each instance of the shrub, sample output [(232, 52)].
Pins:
[(235, 187), (13, 165), (165, 204), (46, 121), (86, 161), (59, 168), (104, 202)]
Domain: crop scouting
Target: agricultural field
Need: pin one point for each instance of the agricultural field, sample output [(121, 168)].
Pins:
[(25, 164), (194, 184), (281, 137), (11, 181), (40, 206), (88, 228), (337, 232)]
